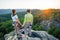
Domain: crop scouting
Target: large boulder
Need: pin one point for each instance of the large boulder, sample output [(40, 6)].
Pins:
[(36, 35)]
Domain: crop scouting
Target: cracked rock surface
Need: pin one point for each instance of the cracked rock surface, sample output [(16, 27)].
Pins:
[(36, 35)]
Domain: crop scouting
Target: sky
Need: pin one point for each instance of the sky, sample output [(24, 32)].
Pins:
[(29, 4)]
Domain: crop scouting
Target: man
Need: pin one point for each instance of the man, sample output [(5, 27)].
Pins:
[(28, 20)]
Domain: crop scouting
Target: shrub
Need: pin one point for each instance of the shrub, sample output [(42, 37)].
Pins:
[(54, 31), (37, 27)]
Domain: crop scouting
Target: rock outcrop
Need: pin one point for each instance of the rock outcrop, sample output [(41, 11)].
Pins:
[(36, 35)]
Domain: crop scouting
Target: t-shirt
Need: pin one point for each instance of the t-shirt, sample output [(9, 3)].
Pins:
[(14, 18), (28, 18)]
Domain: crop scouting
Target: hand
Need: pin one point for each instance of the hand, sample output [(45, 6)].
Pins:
[(22, 25)]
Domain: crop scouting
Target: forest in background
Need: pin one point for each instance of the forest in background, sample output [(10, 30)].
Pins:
[(46, 20)]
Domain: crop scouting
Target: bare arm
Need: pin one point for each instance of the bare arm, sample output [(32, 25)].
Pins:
[(18, 21)]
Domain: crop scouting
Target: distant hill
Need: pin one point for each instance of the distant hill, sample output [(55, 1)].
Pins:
[(7, 11)]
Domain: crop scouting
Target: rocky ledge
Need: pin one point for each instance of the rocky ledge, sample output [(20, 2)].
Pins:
[(36, 35)]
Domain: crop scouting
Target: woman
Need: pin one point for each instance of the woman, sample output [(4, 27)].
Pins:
[(16, 22)]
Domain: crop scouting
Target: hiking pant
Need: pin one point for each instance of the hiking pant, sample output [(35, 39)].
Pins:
[(16, 27), (27, 28)]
